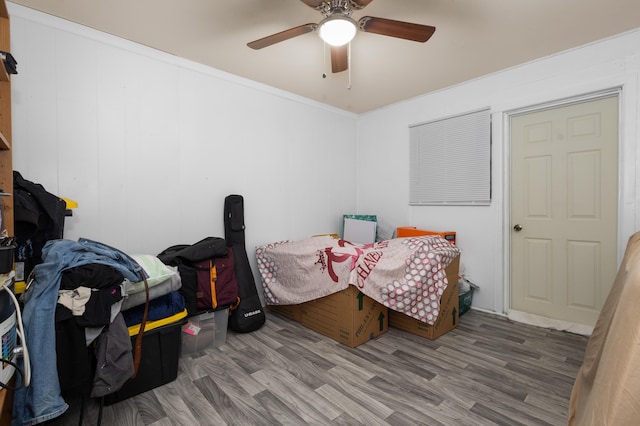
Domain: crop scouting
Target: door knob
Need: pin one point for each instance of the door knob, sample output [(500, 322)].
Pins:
[(517, 228)]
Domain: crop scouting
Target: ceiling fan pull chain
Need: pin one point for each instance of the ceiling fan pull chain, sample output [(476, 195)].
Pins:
[(349, 65), (324, 60)]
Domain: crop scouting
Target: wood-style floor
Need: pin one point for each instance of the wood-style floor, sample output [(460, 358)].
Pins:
[(487, 371)]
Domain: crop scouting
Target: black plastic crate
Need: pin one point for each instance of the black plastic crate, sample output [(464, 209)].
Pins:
[(158, 362), (466, 297)]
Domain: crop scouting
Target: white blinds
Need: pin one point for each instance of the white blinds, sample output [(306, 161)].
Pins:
[(450, 160)]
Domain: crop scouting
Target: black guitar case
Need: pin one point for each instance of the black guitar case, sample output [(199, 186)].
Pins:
[(249, 315)]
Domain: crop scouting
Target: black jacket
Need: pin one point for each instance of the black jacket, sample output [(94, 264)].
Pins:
[(39, 217)]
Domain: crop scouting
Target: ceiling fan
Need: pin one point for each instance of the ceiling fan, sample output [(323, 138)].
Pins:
[(337, 20)]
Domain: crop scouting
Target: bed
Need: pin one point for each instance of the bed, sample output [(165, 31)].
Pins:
[(406, 275)]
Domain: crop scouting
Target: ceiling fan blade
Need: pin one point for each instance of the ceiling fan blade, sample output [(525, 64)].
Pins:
[(313, 3), (398, 29), (359, 4), (339, 58), (282, 36)]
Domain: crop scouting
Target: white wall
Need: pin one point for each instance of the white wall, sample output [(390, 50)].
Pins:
[(150, 144), (483, 231)]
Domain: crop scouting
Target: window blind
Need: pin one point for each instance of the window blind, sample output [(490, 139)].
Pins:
[(450, 160)]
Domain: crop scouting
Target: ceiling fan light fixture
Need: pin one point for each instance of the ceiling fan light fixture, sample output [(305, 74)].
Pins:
[(337, 30)]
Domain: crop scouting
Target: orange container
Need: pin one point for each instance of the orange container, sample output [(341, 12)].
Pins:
[(412, 231)]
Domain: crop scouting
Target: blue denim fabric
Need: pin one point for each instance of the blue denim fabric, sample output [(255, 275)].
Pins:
[(42, 400)]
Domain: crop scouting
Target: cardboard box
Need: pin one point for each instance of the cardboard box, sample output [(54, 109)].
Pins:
[(411, 231), (347, 316), (292, 312), (449, 310), (204, 331)]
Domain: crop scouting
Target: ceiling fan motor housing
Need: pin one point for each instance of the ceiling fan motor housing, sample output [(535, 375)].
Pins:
[(336, 7)]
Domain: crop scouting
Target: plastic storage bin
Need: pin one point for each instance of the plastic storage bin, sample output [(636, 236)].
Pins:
[(204, 331), (158, 361), (411, 231), (466, 297)]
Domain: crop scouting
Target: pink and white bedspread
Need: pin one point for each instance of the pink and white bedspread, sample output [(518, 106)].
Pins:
[(405, 274)]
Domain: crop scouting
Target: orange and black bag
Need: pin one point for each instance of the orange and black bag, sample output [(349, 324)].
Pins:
[(207, 273), (216, 282)]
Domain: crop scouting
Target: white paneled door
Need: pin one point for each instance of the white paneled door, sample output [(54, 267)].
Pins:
[(564, 198)]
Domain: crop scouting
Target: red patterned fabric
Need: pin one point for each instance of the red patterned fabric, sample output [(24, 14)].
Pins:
[(404, 274)]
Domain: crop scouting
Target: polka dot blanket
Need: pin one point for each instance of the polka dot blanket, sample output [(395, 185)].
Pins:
[(404, 274)]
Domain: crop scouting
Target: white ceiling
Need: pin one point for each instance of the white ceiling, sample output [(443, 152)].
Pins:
[(472, 38)]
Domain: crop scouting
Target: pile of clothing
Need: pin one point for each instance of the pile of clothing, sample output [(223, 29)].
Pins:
[(86, 294)]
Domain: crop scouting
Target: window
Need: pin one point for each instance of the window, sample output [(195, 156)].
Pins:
[(450, 160)]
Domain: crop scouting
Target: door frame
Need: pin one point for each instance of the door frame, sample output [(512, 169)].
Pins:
[(626, 178)]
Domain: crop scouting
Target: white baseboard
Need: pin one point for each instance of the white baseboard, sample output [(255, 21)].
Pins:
[(555, 324)]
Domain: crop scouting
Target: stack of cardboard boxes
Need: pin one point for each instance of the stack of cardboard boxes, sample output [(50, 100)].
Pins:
[(352, 318)]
